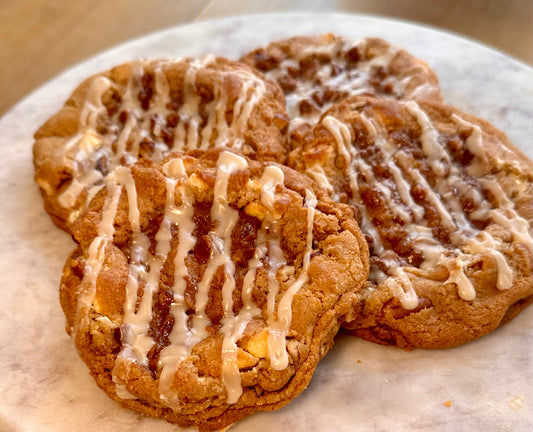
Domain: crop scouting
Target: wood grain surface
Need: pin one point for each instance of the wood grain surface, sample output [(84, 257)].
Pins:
[(41, 38)]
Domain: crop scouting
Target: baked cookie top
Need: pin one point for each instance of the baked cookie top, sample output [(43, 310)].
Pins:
[(446, 204), (144, 109), (318, 71), (208, 287)]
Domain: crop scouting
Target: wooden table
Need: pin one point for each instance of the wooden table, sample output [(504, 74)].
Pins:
[(40, 38)]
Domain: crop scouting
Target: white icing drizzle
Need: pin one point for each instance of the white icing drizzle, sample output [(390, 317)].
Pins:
[(93, 105), (474, 144), (226, 218), (272, 176), (143, 268), (445, 215), (86, 141), (343, 138), (96, 252), (429, 138), (277, 335), (456, 268), (506, 215), (402, 185), (233, 329), (249, 307), (279, 320), (146, 268), (422, 91), (121, 390), (484, 242), (402, 288), (180, 337), (404, 190), (69, 197), (218, 119), (317, 173), (243, 108), (276, 342), (188, 112), (221, 242)]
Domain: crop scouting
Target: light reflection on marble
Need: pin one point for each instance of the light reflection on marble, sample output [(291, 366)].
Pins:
[(358, 386)]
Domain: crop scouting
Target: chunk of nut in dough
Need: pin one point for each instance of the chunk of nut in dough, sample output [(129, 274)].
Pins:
[(258, 344)]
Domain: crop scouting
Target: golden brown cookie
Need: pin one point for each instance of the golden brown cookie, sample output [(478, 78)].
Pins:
[(143, 109), (209, 286), (446, 204), (318, 71)]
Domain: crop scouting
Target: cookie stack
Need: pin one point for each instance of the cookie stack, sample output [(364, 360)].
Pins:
[(231, 216)]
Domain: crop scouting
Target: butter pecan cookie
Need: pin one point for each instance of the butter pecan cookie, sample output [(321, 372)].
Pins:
[(445, 202), (144, 109), (209, 286)]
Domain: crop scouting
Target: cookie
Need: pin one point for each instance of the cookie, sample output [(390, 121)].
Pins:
[(209, 286), (445, 202), (144, 109), (317, 71)]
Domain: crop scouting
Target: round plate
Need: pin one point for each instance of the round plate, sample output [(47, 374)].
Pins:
[(483, 385)]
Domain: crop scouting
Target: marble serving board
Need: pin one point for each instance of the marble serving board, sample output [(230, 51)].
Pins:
[(486, 385)]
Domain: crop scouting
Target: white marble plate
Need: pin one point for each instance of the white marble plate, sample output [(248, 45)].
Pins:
[(360, 386)]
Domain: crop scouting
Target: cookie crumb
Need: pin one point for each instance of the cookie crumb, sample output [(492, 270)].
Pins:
[(516, 402)]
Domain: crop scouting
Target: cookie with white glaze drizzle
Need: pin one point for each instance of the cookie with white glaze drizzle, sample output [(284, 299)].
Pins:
[(144, 109), (318, 71), (209, 286), (445, 202)]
